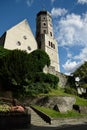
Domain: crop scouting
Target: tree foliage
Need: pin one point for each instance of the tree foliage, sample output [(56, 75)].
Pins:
[(14, 68), (22, 72), (46, 78), (81, 72), (38, 59)]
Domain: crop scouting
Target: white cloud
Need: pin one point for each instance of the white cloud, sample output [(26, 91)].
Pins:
[(82, 55), (29, 2), (71, 66), (69, 55), (71, 30), (82, 1), (58, 12)]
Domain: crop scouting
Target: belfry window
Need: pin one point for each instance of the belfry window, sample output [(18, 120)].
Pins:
[(49, 43), (51, 34), (44, 31), (53, 46)]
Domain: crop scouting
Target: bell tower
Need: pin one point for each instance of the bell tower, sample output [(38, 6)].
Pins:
[(45, 37)]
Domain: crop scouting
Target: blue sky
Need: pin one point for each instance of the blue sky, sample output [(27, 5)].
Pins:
[(69, 21)]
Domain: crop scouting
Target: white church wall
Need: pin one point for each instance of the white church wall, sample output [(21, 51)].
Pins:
[(20, 37)]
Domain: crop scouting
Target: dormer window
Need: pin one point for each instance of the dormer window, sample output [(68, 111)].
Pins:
[(19, 43)]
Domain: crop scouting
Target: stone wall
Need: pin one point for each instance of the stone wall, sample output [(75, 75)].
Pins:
[(62, 78), (59, 103)]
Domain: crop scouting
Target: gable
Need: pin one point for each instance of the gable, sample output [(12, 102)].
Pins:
[(20, 37)]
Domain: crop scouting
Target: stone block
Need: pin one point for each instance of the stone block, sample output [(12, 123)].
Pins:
[(83, 109)]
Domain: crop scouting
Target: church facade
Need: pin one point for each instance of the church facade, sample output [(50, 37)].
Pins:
[(21, 37)]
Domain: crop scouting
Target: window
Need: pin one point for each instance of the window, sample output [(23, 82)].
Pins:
[(44, 24), (49, 43), (51, 34), (18, 43), (53, 46), (44, 31), (25, 37), (29, 48)]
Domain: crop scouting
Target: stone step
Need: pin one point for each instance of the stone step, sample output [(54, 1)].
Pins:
[(36, 119)]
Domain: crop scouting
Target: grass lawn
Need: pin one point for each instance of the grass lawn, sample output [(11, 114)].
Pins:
[(60, 92), (55, 114), (81, 101)]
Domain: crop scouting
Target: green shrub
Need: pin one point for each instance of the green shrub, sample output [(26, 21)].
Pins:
[(37, 60), (37, 88), (70, 90), (21, 72), (46, 78), (41, 83)]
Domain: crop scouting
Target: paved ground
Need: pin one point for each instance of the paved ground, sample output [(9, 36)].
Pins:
[(59, 124), (75, 127)]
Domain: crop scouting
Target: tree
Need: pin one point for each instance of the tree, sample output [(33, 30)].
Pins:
[(21, 72), (81, 72), (14, 68), (37, 60)]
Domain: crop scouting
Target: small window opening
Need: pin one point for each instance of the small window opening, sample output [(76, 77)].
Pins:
[(29, 48), (25, 37), (18, 43), (51, 34), (44, 31), (49, 43), (44, 24)]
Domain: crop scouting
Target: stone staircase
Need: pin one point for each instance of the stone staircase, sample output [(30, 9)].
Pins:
[(36, 119)]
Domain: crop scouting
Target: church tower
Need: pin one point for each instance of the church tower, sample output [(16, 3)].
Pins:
[(45, 37)]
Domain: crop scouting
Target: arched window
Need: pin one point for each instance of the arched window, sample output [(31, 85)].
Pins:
[(51, 34)]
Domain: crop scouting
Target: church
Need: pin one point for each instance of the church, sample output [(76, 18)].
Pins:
[(21, 37)]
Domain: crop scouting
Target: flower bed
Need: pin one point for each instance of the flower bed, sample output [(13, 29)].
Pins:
[(14, 119), (14, 116)]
